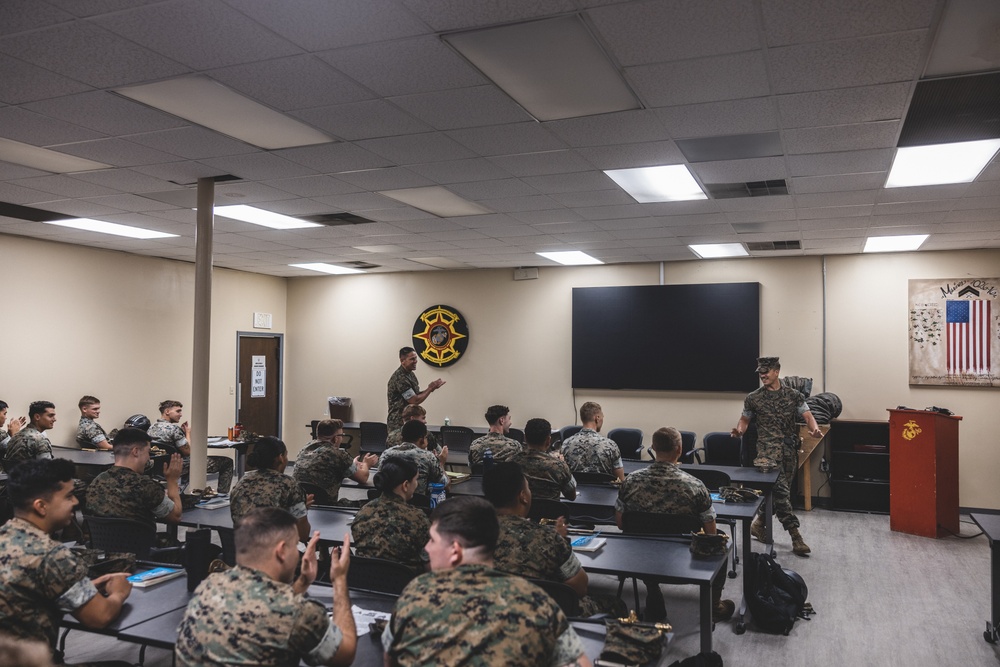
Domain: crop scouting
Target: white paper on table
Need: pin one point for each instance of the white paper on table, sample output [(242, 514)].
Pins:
[(362, 617)]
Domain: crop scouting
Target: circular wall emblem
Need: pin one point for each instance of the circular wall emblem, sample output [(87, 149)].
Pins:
[(440, 335)]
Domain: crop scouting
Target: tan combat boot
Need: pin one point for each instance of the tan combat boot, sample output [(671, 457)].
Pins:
[(758, 531), (799, 547)]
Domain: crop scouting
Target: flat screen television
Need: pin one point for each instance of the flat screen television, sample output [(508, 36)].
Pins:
[(667, 337)]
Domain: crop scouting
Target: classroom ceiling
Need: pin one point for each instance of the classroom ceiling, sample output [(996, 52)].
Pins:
[(822, 87)]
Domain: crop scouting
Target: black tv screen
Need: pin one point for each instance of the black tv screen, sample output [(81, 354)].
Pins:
[(667, 337)]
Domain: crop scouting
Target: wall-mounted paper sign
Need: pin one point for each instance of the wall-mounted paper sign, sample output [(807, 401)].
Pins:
[(258, 376)]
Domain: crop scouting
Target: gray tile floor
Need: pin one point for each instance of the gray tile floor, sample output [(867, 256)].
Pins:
[(881, 598)]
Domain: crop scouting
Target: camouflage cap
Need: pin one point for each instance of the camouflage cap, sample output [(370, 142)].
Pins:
[(764, 364)]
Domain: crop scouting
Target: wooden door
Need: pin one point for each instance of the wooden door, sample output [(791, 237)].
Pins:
[(259, 404)]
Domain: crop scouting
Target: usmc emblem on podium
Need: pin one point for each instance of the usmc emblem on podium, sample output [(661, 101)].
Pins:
[(440, 335), (911, 430)]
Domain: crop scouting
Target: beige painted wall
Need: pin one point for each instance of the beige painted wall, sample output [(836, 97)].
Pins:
[(118, 326)]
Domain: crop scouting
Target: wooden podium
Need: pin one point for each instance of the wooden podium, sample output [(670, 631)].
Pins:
[(923, 473)]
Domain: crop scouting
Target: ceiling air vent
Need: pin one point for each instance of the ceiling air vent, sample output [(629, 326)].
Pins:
[(357, 264), (761, 246), (748, 189), (336, 219), (221, 178)]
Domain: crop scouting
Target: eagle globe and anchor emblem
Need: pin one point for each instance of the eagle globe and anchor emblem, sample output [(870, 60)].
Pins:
[(911, 430), (440, 335)]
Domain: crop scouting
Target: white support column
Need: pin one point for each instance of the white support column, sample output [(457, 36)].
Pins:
[(202, 332)]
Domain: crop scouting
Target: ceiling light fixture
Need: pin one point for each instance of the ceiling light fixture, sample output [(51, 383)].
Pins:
[(570, 258), (326, 268), (437, 200), (208, 103), (553, 67), (717, 250), (259, 216), (88, 225), (45, 159), (940, 164), (657, 184), (894, 243)]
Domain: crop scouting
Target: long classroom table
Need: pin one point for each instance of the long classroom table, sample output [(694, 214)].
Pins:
[(990, 523)]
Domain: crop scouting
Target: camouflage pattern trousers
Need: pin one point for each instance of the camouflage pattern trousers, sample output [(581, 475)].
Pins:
[(787, 457)]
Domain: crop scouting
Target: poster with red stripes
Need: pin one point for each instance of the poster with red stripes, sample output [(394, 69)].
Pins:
[(954, 332)]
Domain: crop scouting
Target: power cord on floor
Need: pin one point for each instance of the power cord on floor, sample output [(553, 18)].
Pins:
[(959, 535)]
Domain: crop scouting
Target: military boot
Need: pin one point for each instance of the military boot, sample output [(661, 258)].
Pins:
[(799, 547), (758, 530)]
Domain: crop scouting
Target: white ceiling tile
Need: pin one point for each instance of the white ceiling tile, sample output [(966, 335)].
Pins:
[(755, 217), (359, 202), (700, 80), (841, 137), (548, 162), (247, 193), (10, 171), (178, 172), (23, 82), (898, 208), (363, 120), (462, 107), (770, 227), (971, 201), (614, 213), (844, 106), (106, 112), (720, 118), (333, 158), (922, 193), (593, 198), (201, 35), (460, 171), (38, 130), (129, 202), (853, 162), (773, 203), (16, 194), (116, 152), (855, 62), (633, 155), (662, 30), (258, 166), (80, 208), (834, 212), (64, 186), (835, 199), (626, 127), (193, 143), (553, 218), (314, 186), (21, 15), (836, 183), (86, 52), (513, 204), (740, 171), (803, 21), (419, 65), (417, 148), (576, 182), (456, 14), (295, 207), (391, 178)]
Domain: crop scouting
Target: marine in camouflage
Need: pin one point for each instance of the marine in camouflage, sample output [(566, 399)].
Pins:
[(776, 413), (429, 470), (664, 488), (89, 433), (389, 528), (26, 445), (477, 616), (40, 580), (400, 382), (589, 451), (169, 436), (396, 438), (324, 464), (267, 488), (503, 448), (123, 493), (243, 617), (548, 477)]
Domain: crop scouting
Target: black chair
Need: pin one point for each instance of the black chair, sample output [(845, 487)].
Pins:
[(516, 434), (228, 538), (377, 575), (629, 441), (567, 432), (565, 597), (688, 440), (543, 508), (719, 448), (129, 536), (652, 523), (593, 477), (714, 480), (421, 501), (373, 436), (320, 496), (457, 438), (476, 468)]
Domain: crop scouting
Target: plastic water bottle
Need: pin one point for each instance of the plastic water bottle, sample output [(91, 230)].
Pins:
[(438, 494), (487, 459)]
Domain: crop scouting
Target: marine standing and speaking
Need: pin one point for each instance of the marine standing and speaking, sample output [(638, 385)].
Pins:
[(776, 407), (403, 388)]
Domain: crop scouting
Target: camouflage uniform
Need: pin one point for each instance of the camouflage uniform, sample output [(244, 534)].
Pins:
[(530, 550), (474, 615), (778, 440), (589, 451), (503, 448), (389, 528), (122, 492), (547, 475), (41, 579), (429, 470), (169, 436), (324, 464), (396, 438), (4, 438), (402, 385), (267, 488), (90, 434), (26, 445), (243, 617)]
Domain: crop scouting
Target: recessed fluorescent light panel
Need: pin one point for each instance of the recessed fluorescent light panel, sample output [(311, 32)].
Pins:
[(437, 200), (554, 68), (716, 250), (655, 184), (894, 243), (259, 216), (326, 268), (44, 159), (208, 103), (940, 164), (88, 225), (570, 258)]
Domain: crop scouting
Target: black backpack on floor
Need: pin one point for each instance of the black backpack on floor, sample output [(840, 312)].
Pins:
[(775, 597)]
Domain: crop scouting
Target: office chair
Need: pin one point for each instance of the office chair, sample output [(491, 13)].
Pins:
[(593, 477), (653, 523), (320, 496), (688, 440), (714, 480), (516, 434), (567, 432), (228, 538), (457, 438), (373, 436), (129, 536), (629, 441), (719, 448), (565, 597), (377, 575), (542, 508)]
